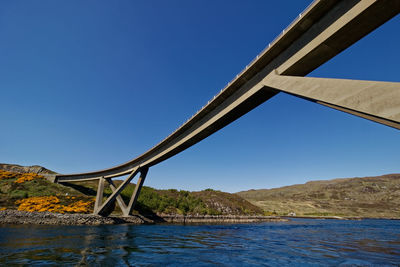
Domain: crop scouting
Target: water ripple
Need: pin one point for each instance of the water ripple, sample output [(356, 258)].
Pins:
[(296, 243)]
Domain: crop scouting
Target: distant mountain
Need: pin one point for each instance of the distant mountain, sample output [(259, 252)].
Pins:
[(365, 197)]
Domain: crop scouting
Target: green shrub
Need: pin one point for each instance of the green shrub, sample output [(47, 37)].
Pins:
[(17, 194)]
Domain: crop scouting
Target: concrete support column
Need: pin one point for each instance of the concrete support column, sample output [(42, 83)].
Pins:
[(136, 193), (120, 201), (99, 195)]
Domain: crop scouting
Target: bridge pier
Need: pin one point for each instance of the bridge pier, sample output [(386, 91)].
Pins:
[(104, 209)]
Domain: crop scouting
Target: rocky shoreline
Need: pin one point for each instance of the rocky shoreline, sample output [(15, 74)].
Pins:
[(48, 218), (327, 217), (220, 219)]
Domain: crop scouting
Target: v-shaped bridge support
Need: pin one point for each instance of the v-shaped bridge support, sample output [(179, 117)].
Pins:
[(105, 208)]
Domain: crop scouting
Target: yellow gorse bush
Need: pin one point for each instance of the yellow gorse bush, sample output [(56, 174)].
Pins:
[(7, 175), (24, 177), (21, 177), (44, 203), (52, 204)]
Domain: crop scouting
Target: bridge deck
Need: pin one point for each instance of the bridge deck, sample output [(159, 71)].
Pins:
[(323, 30)]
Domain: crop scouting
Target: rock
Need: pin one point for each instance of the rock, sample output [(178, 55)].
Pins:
[(25, 169), (24, 217), (48, 174), (187, 219)]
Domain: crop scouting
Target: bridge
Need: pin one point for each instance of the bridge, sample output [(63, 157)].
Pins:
[(323, 30)]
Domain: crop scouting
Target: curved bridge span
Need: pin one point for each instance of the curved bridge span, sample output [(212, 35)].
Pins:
[(323, 30)]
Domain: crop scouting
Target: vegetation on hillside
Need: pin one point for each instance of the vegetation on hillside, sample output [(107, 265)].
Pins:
[(226, 203), (31, 192), (364, 197), (172, 201)]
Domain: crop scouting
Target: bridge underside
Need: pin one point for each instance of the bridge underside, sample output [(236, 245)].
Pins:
[(325, 29), (376, 101)]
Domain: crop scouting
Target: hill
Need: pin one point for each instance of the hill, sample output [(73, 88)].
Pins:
[(25, 169), (28, 190), (364, 197)]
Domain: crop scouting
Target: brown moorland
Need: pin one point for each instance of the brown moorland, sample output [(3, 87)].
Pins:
[(377, 197)]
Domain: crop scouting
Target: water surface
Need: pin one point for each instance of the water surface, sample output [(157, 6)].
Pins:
[(301, 242)]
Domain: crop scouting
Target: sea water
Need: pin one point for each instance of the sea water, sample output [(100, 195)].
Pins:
[(299, 242)]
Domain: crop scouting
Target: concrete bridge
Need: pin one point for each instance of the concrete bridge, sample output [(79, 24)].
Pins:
[(323, 30)]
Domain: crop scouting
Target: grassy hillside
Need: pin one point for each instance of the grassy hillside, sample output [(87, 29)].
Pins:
[(172, 201), (32, 192), (365, 197)]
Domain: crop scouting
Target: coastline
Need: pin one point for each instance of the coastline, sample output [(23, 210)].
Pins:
[(349, 218), (188, 219), (353, 218), (48, 218)]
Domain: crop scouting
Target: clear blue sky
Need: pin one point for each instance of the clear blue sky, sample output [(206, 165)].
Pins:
[(86, 85)]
